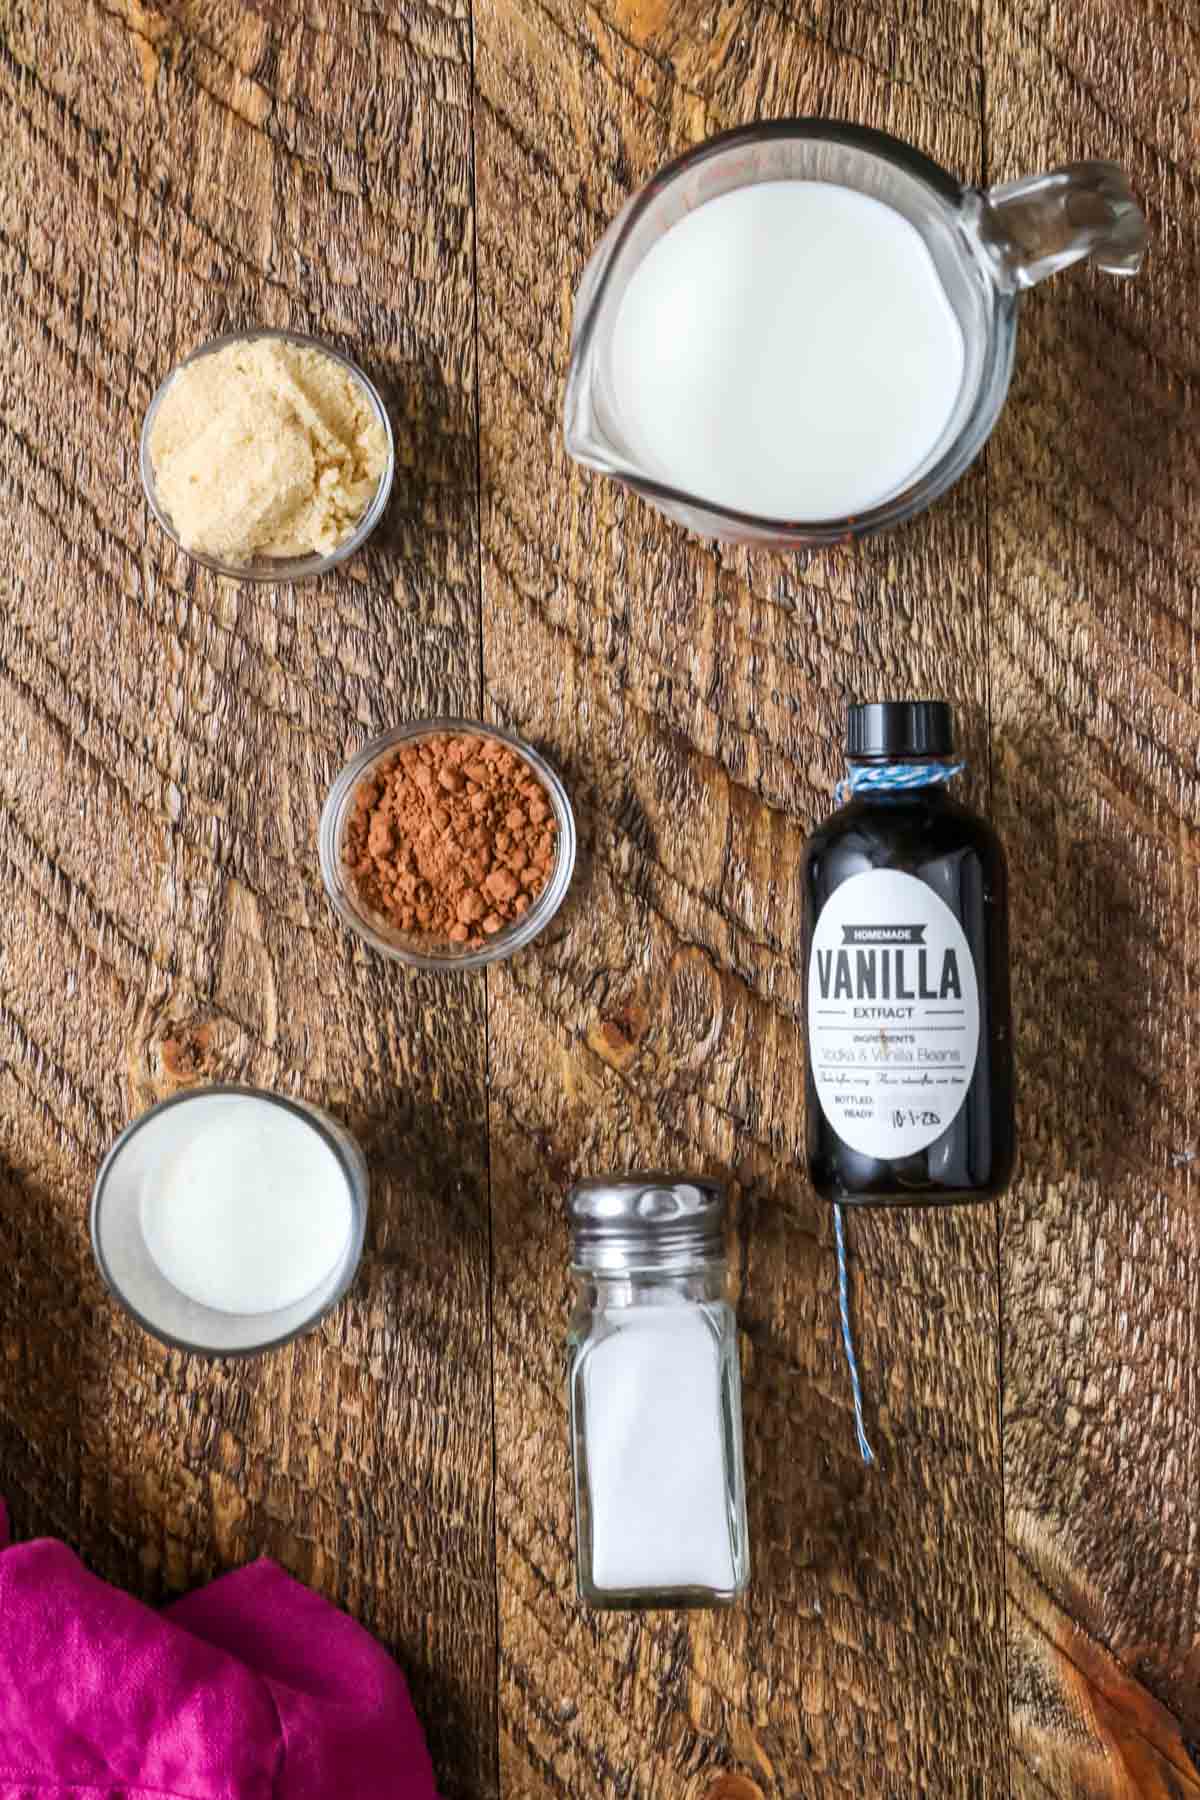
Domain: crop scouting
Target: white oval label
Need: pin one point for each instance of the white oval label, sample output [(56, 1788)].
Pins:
[(893, 1013)]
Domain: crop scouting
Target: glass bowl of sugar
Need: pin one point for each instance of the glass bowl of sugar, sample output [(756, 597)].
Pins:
[(229, 1220)]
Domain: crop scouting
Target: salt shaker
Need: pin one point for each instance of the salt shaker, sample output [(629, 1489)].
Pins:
[(655, 1396)]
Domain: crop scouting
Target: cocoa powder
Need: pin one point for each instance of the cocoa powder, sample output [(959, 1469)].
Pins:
[(451, 838)]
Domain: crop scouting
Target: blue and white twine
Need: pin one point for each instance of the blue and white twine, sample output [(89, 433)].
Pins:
[(868, 1455), (893, 776), (874, 776)]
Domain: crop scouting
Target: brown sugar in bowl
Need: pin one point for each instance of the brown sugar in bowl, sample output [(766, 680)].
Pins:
[(402, 866), (263, 567)]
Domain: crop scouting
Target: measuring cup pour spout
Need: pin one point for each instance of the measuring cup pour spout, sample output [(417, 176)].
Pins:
[(1034, 227)]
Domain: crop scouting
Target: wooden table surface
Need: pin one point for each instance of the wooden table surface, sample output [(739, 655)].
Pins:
[(1010, 1602)]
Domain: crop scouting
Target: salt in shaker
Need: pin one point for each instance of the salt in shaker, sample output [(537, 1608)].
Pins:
[(655, 1396)]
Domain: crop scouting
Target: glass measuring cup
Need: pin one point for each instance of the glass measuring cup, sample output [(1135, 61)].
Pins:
[(987, 245)]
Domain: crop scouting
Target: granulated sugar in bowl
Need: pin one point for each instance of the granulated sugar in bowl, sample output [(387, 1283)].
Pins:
[(447, 844)]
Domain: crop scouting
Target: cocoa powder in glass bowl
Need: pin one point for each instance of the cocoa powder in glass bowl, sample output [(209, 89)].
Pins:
[(448, 843)]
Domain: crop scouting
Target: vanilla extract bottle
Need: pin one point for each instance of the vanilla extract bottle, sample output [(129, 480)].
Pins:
[(908, 1022)]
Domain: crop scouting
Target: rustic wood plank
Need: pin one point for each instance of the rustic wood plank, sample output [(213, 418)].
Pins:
[(165, 744), (695, 701), (1095, 555), (1082, 1723)]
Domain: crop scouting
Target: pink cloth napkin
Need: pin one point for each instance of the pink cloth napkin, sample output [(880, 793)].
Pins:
[(252, 1689)]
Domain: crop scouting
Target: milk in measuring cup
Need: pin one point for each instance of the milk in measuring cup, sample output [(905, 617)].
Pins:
[(787, 350)]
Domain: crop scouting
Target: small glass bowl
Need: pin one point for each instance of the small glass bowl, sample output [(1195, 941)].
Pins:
[(418, 952), (134, 1278), (272, 568)]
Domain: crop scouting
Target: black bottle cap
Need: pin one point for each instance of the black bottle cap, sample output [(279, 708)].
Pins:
[(900, 728)]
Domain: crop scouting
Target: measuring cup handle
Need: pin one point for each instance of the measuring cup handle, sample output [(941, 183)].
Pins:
[(1034, 227)]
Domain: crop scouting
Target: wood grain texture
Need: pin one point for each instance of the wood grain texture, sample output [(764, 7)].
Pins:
[(165, 745), (1095, 555), (695, 699)]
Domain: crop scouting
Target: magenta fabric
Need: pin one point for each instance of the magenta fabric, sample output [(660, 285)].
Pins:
[(252, 1689)]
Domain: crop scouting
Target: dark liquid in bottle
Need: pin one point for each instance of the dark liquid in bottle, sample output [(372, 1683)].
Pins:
[(910, 1069)]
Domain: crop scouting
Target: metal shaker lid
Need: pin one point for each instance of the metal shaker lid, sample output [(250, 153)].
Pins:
[(646, 1219)]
